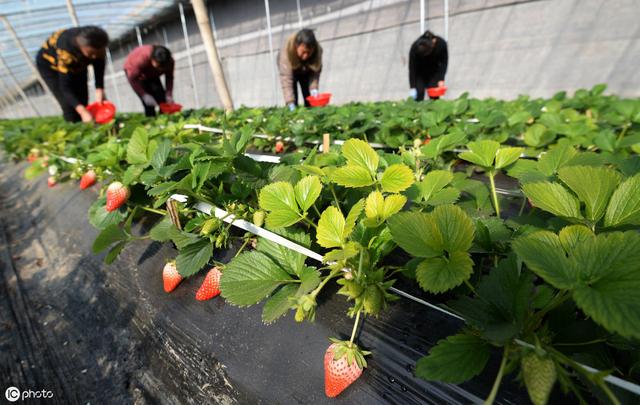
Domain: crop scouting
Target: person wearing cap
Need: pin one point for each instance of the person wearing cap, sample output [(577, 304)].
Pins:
[(143, 68), (62, 62), (428, 59), (300, 64)]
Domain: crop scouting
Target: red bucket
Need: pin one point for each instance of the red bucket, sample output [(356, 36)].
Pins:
[(320, 100), (436, 91), (167, 108), (102, 112)]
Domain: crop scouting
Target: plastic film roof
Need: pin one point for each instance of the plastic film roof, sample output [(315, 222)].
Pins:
[(35, 20)]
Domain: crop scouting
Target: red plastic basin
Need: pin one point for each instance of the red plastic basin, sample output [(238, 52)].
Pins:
[(167, 108), (102, 112), (320, 100), (437, 91)]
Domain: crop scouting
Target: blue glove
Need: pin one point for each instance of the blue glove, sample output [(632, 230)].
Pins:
[(314, 92), (291, 106), (413, 93)]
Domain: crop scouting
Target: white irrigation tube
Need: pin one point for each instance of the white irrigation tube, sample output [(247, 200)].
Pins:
[(250, 227), (277, 138)]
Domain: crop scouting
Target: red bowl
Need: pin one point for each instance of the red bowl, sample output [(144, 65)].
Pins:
[(102, 112), (167, 108), (437, 91), (320, 100)]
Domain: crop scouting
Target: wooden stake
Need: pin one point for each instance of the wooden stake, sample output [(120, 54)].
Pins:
[(326, 142)]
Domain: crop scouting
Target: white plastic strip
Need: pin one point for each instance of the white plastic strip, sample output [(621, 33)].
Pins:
[(263, 158), (275, 138)]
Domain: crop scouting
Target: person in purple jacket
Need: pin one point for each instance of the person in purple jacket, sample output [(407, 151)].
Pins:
[(143, 68)]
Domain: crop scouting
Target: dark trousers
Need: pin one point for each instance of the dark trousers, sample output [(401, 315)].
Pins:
[(156, 89), (302, 79), (423, 82), (79, 89)]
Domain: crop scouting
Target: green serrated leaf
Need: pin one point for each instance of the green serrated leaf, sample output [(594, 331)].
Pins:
[(433, 182), (114, 252), (554, 198), (108, 236), (278, 304), (359, 153), (624, 206), (161, 154), (543, 253), (352, 176), (307, 192), (396, 178), (507, 156), (440, 274), (481, 153), (137, 147), (290, 261), (331, 228), (608, 269), (251, 277), (164, 231), (455, 226), (593, 185), (194, 257), (416, 233), (572, 236), (352, 217), (454, 360)]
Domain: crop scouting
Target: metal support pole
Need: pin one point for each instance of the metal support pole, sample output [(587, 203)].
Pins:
[(113, 77), (164, 35), (299, 14), (212, 53), (139, 35), (446, 20), (26, 56), (18, 87), (193, 71), (72, 13), (271, 55), (422, 17)]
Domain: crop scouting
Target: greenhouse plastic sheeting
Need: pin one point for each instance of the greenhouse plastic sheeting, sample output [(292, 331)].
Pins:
[(87, 331)]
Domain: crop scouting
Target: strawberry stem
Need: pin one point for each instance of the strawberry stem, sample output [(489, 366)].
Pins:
[(496, 384), (355, 328)]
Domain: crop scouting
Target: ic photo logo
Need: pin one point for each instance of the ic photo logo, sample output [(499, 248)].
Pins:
[(12, 394)]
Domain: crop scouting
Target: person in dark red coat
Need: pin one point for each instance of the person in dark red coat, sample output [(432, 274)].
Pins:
[(143, 67)]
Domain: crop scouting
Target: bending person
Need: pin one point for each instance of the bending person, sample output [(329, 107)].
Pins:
[(62, 62), (143, 68), (300, 63), (428, 59)]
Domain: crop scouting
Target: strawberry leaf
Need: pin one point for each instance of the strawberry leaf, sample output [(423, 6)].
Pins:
[(251, 277), (193, 257), (454, 360)]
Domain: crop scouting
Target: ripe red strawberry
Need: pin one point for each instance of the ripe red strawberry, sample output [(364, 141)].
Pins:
[(427, 140), (170, 276), (88, 179), (343, 364), (210, 286), (117, 195), (279, 147), (51, 181)]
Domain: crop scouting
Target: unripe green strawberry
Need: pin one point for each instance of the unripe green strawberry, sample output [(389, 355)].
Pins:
[(258, 218), (373, 300), (539, 374), (209, 226)]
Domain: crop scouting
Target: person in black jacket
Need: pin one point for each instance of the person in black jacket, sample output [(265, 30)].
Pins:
[(428, 60), (62, 62)]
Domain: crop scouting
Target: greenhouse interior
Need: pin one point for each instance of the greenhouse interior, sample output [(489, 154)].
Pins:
[(320, 201)]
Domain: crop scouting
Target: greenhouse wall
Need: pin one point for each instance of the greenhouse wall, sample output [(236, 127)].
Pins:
[(498, 48)]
